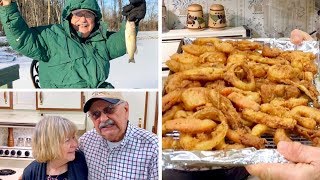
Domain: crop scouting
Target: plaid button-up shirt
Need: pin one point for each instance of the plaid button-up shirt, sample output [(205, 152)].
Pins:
[(135, 158)]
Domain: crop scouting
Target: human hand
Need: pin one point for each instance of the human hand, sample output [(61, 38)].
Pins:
[(135, 11), (306, 163), (5, 2), (298, 36)]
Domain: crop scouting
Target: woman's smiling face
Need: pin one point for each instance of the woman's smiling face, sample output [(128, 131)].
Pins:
[(83, 22)]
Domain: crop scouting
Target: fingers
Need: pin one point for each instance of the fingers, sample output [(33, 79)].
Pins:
[(268, 171), (126, 9), (132, 16), (298, 36), (134, 13), (280, 171), (136, 1), (296, 152)]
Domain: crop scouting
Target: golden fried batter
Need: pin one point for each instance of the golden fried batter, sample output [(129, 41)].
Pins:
[(225, 47), (169, 115), (192, 143), (242, 101), (197, 50), (259, 129), (205, 41), (170, 143), (245, 45), (214, 96), (277, 73), (247, 84), (290, 103), (214, 59), (217, 85), (171, 99), (281, 135), (254, 96), (194, 97), (271, 91), (246, 139), (269, 120), (224, 146), (184, 61), (306, 111), (190, 125), (270, 52), (279, 111)]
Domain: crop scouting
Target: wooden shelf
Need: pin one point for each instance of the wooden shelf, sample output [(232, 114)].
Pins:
[(240, 31)]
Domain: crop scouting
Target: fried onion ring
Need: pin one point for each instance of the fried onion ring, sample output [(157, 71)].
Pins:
[(248, 85)]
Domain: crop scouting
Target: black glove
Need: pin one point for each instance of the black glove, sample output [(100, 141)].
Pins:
[(136, 1), (135, 11)]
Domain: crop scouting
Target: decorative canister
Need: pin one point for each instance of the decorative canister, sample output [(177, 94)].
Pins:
[(195, 18), (217, 17)]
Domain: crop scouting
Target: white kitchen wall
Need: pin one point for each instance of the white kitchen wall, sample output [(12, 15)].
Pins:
[(136, 102), (249, 13)]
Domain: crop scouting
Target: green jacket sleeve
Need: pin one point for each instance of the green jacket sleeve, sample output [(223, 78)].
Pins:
[(116, 43), (22, 38)]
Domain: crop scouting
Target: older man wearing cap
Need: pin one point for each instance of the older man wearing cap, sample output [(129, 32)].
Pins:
[(115, 148), (75, 53)]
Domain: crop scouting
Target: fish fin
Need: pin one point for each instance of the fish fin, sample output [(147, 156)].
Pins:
[(136, 51)]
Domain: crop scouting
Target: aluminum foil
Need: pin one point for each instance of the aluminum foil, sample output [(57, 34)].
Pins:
[(206, 160)]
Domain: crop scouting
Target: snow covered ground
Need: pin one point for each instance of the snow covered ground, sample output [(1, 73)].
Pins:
[(140, 75)]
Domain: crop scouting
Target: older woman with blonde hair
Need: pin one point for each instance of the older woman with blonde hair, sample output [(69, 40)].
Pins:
[(54, 147)]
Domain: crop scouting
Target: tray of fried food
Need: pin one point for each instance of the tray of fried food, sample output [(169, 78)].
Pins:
[(224, 94)]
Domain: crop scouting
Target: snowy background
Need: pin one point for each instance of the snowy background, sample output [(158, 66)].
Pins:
[(140, 75)]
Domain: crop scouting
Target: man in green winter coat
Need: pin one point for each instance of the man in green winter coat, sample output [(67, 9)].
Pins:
[(75, 53)]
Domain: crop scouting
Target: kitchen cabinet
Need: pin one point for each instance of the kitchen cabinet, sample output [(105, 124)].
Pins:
[(62, 101), (6, 100), (24, 100), (18, 100)]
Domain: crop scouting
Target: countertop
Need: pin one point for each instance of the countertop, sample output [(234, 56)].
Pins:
[(225, 32)]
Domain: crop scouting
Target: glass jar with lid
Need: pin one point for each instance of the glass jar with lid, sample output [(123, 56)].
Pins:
[(20, 142), (28, 142)]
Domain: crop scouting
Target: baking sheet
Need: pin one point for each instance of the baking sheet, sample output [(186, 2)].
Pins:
[(206, 160)]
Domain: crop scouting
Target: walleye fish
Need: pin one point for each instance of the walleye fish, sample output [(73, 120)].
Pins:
[(131, 39)]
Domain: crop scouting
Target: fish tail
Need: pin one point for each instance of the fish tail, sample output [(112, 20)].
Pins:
[(132, 60)]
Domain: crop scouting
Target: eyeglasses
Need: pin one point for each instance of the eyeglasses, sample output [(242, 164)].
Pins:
[(107, 110), (85, 14)]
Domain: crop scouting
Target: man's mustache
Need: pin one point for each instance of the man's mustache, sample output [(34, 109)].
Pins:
[(106, 123)]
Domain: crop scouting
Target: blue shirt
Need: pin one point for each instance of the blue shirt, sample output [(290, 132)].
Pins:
[(77, 169), (135, 158)]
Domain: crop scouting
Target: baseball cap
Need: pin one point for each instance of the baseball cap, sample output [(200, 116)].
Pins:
[(79, 10), (110, 97)]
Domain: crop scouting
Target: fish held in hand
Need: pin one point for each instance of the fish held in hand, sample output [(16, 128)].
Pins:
[(131, 40)]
